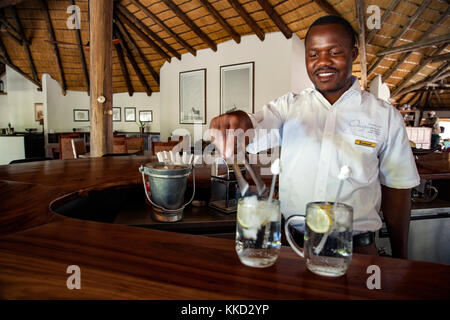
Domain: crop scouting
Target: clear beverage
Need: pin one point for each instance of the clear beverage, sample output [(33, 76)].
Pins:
[(258, 231), (329, 253)]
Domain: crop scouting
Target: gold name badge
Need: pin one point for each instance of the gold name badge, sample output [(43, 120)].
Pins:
[(365, 143)]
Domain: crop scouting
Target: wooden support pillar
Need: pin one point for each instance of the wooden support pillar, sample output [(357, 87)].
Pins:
[(362, 41), (101, 27)]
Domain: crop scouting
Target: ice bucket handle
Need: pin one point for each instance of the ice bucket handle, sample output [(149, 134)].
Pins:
[(142, 171)]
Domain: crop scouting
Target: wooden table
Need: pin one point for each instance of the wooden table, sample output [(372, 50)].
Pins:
[(122, 262)]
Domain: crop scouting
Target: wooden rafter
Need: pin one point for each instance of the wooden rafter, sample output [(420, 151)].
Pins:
[(180, 14), (123, 67), (441, 73), (127, 37), (4, 52), (143, 36), (385, 15), (130, 57), (247, 18), (51, 36), (402, 32), (431, 29), (147, 30), (439, 57), (328, 8), (416, 70), (236, 36), (416, 45), (19, 71), (25, 44), (82, 57), (359, 4), (11, 31), (164, 27), (6, 3), (276, 18), (8, 32), (438, 97)]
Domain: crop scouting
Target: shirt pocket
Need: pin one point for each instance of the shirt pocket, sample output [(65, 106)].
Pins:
[(361, 155)]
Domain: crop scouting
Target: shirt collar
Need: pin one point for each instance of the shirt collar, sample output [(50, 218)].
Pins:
[(353, 93)]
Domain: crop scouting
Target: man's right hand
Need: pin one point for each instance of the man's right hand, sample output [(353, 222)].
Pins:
[(225, 141)]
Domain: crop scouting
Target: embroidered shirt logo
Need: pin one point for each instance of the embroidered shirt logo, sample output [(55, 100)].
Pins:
[(365, 143)]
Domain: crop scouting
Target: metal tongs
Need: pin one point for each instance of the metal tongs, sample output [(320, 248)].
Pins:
[(243, 184)]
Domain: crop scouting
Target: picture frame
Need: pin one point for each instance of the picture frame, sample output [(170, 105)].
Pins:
[(237, 90), (117, 114), (192, 97), (146, 116), (129, 114), (81, 115), (38, 111)]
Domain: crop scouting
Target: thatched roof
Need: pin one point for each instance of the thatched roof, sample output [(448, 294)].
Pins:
[(155, 31)]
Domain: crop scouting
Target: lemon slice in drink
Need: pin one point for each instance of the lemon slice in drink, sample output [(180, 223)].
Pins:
[(320, 221)]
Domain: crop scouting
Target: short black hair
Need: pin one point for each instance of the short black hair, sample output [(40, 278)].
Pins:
[(331, 19)]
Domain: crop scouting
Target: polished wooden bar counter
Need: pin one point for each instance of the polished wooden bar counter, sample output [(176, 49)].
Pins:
[(123, 262)]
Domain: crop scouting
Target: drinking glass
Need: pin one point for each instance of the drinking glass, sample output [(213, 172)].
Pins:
[(328, 241), (258, 231)]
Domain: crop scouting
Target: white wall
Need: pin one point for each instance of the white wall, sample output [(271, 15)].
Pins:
[(60, 108), (279, 68), (17, 106)]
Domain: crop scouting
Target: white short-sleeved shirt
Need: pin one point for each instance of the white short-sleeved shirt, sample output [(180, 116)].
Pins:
[(318, 138)]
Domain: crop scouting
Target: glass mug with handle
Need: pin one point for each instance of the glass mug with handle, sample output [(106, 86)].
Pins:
[(328, 238)]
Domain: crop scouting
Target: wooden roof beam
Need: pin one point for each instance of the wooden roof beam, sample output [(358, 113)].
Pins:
[(19, 71), (385, 15), (328, 8), (416, 70), (4, 52), (82, 57), (6, 3), (276, 18), (143, 36), (25, 44), (8, 32), (124, 69), (411, 20), (10, 28), (416, 45), (439, 57), (130, 57), (51, 36), (180, 14), (436, 24), (249, 20), (362, 41), (209, 7), (164, 27), (440, 73), (127, 37), (147, 30), (438, 97)]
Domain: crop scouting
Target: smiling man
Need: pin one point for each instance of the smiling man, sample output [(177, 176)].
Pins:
[(328, 126)]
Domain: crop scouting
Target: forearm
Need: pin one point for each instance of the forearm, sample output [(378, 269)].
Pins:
[(396, 208)]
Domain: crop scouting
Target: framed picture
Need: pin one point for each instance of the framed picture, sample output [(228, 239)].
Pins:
[(130, 114), (146, 115), (193, 97), (116, 114), (81, 115), (38, 111), (237, 87)]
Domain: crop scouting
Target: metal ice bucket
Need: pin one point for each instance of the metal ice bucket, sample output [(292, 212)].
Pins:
[(167, 189)]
